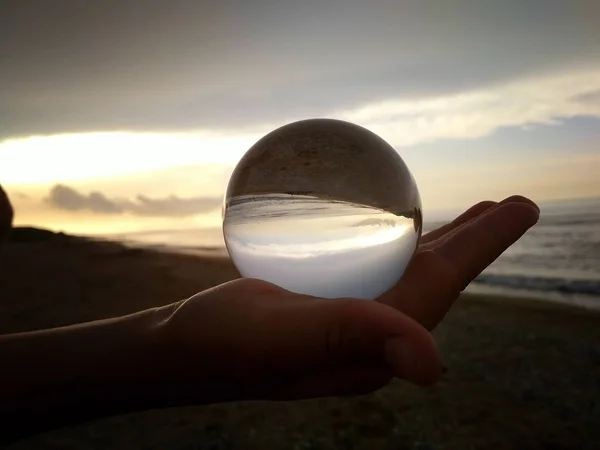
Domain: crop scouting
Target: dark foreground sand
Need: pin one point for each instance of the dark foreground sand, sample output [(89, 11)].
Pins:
[(520, 374)]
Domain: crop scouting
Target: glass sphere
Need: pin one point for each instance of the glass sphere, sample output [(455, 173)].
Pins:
[(322, 207)]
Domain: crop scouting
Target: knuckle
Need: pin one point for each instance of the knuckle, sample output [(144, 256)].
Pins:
[(516, 198), (485, 204)]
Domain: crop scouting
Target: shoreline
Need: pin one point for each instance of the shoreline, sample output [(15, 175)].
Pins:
[(522, 373), (530, 302), (588, 303), (582, 301)]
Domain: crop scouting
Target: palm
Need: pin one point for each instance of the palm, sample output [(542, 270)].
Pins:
[(449, 258)]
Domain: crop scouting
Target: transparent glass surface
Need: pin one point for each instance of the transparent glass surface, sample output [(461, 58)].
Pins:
[(325, 208)]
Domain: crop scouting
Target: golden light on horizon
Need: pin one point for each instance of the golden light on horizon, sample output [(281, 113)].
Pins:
[(124, 165), (83, 156), (34, 210)]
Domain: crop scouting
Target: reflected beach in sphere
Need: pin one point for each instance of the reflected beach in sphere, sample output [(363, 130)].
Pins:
[(323, 207)]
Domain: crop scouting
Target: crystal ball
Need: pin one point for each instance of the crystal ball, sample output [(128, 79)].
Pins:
[(322, 207)]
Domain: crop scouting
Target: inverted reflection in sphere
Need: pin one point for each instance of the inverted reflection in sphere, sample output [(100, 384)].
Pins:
[(322, 207)]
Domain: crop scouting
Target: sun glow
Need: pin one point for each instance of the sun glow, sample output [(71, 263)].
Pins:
[(73, 157)]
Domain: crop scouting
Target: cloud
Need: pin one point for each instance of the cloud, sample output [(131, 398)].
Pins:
[(181, 65), (524, 103), (172, 206), (66, 198), (20, 195), (590, 97)]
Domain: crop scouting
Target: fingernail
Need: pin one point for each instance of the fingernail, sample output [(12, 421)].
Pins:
[(402, 359), (520, 199)]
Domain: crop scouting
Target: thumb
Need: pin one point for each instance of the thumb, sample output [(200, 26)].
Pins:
[(322, 335)]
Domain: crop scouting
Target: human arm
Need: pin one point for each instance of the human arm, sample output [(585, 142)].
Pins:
[(242, 340), (282, 353)]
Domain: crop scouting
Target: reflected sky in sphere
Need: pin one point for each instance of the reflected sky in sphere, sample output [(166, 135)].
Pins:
[(325, 208)]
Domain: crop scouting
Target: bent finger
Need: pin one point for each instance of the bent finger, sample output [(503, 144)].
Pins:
[(435, 278), (322, 334), (481, 242), (469, 214)]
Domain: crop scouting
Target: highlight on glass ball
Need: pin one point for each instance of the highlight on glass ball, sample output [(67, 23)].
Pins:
[(322, 207)]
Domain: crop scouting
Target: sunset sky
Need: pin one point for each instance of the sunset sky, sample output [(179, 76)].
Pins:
[(123, 116)]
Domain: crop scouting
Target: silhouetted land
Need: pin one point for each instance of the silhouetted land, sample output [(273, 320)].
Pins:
[(521, 374)]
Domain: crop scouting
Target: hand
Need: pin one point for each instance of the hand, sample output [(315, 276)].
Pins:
[(449, 258), (251, 339)]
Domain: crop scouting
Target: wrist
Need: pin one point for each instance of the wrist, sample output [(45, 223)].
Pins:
[(76, 373), (202, 361), (146, 370)]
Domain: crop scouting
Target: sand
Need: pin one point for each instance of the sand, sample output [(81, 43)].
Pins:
[(521, 374)]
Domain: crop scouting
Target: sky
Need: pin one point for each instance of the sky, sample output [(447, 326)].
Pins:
[(124, 116)]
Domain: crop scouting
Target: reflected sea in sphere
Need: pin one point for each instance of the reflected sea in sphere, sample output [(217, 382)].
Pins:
[(323, 207)]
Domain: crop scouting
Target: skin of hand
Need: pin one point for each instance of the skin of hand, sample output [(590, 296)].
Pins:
[(292, 346), (248, 339)]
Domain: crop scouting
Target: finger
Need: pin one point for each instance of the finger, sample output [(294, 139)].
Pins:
[(481, 242), (323, 334), (469, 214), (426, 291), (336, 382), (435, 278), (473, 213)]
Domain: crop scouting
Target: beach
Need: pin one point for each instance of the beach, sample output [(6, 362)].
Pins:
[(521, 373)]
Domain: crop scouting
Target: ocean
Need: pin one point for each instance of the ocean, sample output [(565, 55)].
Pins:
[(558, 260)]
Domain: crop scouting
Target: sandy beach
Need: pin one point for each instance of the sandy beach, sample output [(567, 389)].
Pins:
[(521, 373)]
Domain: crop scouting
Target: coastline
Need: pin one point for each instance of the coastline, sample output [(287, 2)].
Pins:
[(192, 268), (476, 289), (522, 373)]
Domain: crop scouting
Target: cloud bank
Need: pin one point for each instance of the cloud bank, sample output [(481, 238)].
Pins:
[(529, 102), (181, 65), (66, 198)]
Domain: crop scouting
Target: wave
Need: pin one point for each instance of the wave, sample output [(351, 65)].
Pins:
[(542, 284)]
